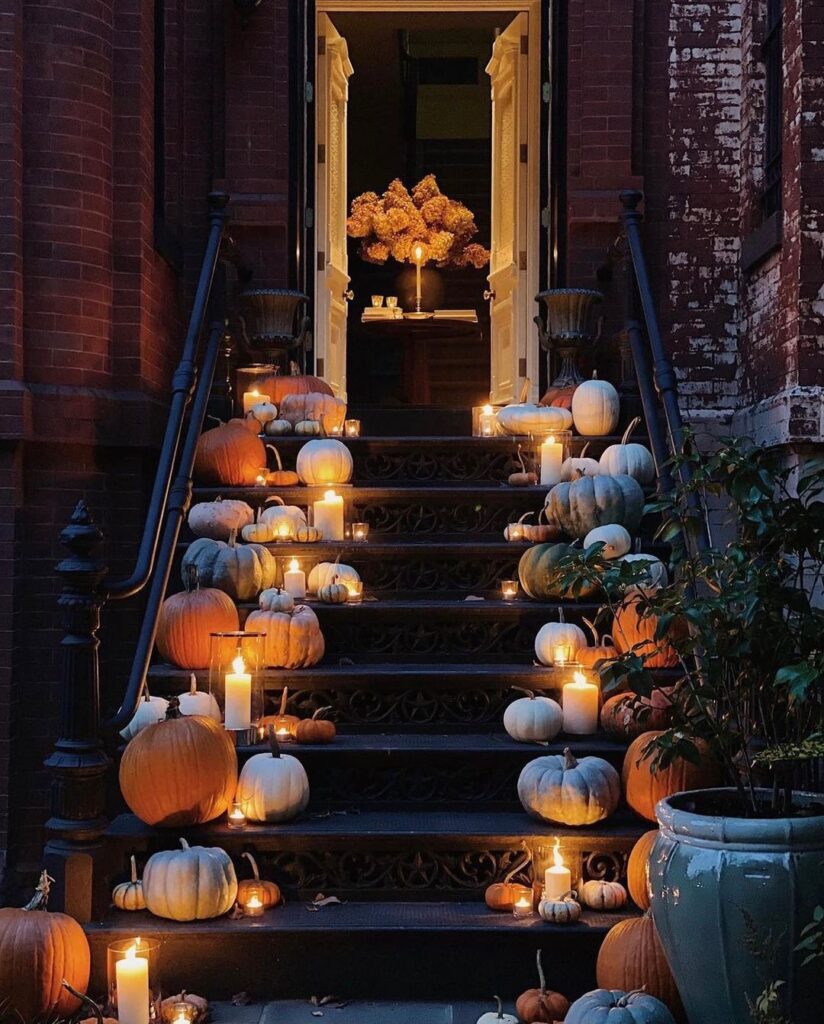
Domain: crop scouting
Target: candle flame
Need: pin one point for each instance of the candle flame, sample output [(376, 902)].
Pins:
[(329, 496), (551, 439), (255, 393), (524, 901), (294, 565), (487, 410), (261, 479), (417, 252), (556, 854), (131, 952), (254, 902), (238, 665), (580, 678), (283, 530)]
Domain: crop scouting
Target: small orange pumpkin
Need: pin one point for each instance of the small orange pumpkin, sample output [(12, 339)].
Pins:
[(187, 619), (268, 892), (559, 397), (634, 631), (526, 478), (315, 729), (283, 725), (644, 787), (638, 869), (631, 958), (504, 895), (541, 1005), (603, 649), (280, 477), (230, 454)]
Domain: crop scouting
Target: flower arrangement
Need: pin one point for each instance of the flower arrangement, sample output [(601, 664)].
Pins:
[(392, 224)]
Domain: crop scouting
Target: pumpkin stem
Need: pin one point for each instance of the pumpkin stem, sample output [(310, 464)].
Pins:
[(232, 542), (569, 760), (85, 1000), (40, 899), (592, 629), (321, 712), (173, 710), (561, 613), (626, 996), (274, 746), (521, 460), (253, 862), (630, 428), (519, 866), (192, 582), (584, 450), (498, 999), (184, 844), (278, 459), (570, 895), (275, 498), (192, 684), (133, 863), (524, 391), (595, 375), (541, 975), (522, 689), (283, 699)]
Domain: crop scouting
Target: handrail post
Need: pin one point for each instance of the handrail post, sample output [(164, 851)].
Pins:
[(78, 763)]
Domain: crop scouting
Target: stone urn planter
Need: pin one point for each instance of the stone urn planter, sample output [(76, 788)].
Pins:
[(730, 896), (573, 326)]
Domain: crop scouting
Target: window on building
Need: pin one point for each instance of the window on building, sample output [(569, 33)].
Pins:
[(773, 75)]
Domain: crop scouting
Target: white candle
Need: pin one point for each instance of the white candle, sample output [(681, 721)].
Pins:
[(132, 980), (329, 516), (417, 252), (552, 455), (294, 581), (252, 398), (580, 706), (557, 879), (238, 707)]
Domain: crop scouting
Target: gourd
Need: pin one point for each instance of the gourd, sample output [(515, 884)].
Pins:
[(533, 719), (591, 501), (277, 387), (561, 789), (323, 573), (129, 895), (632, 459), (182, 771), (644, 787), (618, 1007), (638, 869), (268, 892), (574, 465), (273, 787), (277, 428), (216, 519), (168, 1010), (239, 570), (322, 462), (634, 628), (293, 635), (308, 534), (280, 477), (654, 577), (150, 711), (504, 895), (281, 722), (562, 910), (316, 729), (199, 702), (230, 454), (602, 650), (262, 413), (276, 600), (614, 537), (194, 883), (540, 574), (277, 511), (602, 895), (627, 715), (308, 428), (499, 1017), (561, 396), (558, 634), (38, 950), (328, 411), (541, 1005), (274, 523), (596, 407), (631, 958), (524, 478), (187, 620), (535, 533), (526, 418), (334, 592)]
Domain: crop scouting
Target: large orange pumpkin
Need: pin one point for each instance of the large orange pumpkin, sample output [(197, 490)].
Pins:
[(632, 631), (277, 387), (631, 958), (230, 454), (38, 950), (638, 869), (187, 619), (627, 715), (559, 397), (644, 788), (179, 772)]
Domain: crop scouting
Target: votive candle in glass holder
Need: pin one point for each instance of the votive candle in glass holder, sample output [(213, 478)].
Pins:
[(509, 589), (355, 589), (392, 301), (377, 301), (360, 531), (183, 1013), (132, 976), (260, 480), (253, 905), (351, 428), (523, 907), (236, 818), (561, 654), (336, 430), (484, 421)]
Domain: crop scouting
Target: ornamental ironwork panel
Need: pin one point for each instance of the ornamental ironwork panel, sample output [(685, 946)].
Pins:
[(419, 465), (438, 572), (405, 706), (417, 637), (469, 516)]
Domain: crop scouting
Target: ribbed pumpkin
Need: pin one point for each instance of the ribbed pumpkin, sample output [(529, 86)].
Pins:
[(591, 501), (539, 572), (595, 407), (603, 649), (239, 570), (316, 729), (327, 410), (293, 637), (602, 895), (216, 519), (559, 910), (603, 1004), (324, 573), (633, 629), (231, 454), (633, 459), (129, 895), (643, 788), (268, 892), (194, 883), (579, 465), (632, 958), (278, 387), (273, 787), (523, 418), (541, 1005), (186, 620), (179, 772), (503, 896), (627, 715), (558, 634), (638, 869), (559, 788), (533, 719), (323, 462), (38, 950)]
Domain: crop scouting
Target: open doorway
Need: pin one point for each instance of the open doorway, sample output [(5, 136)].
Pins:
[(408, 94)]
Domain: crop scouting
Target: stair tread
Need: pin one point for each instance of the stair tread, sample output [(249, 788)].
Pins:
[(446, 742), (298, 1011)]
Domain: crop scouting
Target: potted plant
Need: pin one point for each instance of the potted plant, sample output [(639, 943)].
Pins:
[(736, 871)]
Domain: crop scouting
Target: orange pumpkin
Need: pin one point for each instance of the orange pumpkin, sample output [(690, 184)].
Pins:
[(316, 729), (277, 387), (179, 772), (631, 958), (38, 950), (644, 788), (638, 869), (559, 397), (280, 477), (187, 619), (633, 632), (626, 715), (541, 1005), (229, 454), (603, 649), (268, 892), (293, 638), (281, 721), (504, 895)]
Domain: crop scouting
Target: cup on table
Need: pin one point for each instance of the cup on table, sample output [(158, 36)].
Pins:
[(377, 301), (392, 301)]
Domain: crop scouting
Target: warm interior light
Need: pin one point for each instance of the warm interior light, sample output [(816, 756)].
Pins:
[(524, 901), (294, 565), (255, 392), (254, 902), (556, 854), (417, 252), (238, 665)]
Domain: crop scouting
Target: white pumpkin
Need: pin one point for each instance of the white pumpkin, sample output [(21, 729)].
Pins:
[(577, 464), (629, 458), (524, 417), (497, 1017), (273, 786), (325, 461), (614, 537), (277, 512), (277, 428), (308, 428), (129, 895), (533, 719), (558, 634), (216, 519), (276, 600), (656, 575), (150, 711), (198, 702), (563, 910), (263, 413), (559, 788), (596, 407), (190, 884), (324, 573), (601, 895)]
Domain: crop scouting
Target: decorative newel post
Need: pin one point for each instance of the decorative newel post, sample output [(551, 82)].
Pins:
[(78, 764)]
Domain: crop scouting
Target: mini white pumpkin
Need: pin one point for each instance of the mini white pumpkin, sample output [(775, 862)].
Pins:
[(596, 407), (216, 519), (524, 417), (565, 910), (615, 538), (190, 884), (307, 428), (630, 458), (199, 702), (575, 465), (533, 719), (276, 511), (558, 634), (150, 711), (498, 1016), (323, 574), (277, 428), (600, 895), (263, 413), (656, 575), (129, 895), (325, 461), (276, 600), (274, 786)]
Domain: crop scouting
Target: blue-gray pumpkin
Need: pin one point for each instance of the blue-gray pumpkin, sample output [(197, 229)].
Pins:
[(588, 502), (617, 1007)]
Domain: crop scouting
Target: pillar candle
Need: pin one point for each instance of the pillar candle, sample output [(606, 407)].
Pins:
[(558, 878), (329, 516), (580, 706), (238, 705), (294, 581), (252, 398), (552, 455), (132, 980)]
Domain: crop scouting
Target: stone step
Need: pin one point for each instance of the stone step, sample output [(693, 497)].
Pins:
[(299, 1011)]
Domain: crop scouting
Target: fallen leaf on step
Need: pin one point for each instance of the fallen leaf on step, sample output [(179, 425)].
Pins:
[(323, 901), (474, 597), (242, 999)]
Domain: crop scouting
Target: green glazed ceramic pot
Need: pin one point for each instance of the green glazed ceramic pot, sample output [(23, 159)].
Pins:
[(730, 897)]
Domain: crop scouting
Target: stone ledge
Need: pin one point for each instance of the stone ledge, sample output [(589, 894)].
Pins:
[(794, 417)]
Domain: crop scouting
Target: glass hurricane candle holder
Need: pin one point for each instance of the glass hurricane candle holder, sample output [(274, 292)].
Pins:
[(377, 301), (132, 973), (360, 531), (236, 818), (251, 378), (523, 907), (580, 700), (392, 301), (484, 421), (253, 900), (551, 454), (509, 589), (183, 1013), (235, 681), (561, 654), (351, 428), (355, 591)]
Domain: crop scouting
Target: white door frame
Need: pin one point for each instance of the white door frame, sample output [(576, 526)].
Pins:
[(531, 255)]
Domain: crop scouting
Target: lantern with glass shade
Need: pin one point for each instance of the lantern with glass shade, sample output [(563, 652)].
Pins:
[(235, 681)]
